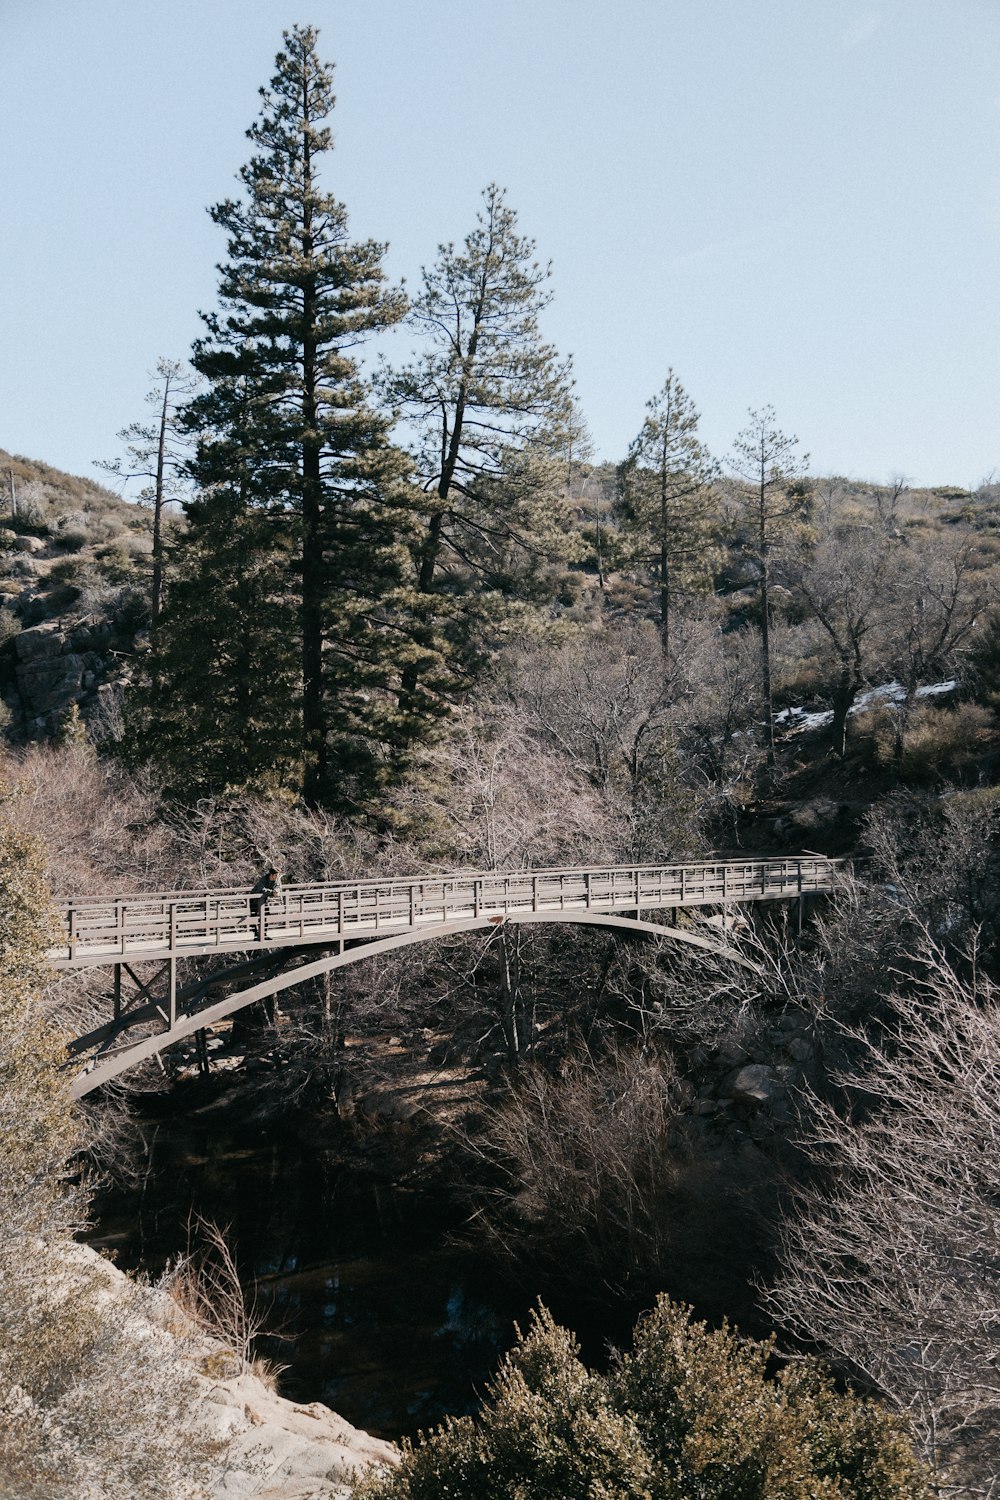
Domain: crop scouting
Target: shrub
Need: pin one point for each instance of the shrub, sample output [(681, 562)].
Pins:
[(938, 741), (71, 570), (596, 1182), (129, 611), (984, 662), (114, 562), (929, 743), (689, 1413), (90, 1405), (10, 625), (71, 538)]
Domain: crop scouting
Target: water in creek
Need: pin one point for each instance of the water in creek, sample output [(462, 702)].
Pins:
[(379, 1316)]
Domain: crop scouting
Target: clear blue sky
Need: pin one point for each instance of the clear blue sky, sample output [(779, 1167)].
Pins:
[(789, 201)]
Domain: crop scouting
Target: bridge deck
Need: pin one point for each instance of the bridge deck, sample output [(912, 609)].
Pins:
[(102, 930)]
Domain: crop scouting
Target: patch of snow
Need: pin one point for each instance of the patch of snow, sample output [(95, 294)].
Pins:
[(797, 720)]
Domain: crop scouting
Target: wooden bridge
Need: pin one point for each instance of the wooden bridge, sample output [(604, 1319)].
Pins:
[(143, 938)]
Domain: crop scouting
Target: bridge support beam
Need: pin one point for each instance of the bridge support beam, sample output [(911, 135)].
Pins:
[(189, 1023)]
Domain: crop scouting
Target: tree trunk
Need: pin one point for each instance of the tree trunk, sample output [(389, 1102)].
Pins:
[(161, 450), (664, 563), (843, 698), (315, 752), (765, 652)]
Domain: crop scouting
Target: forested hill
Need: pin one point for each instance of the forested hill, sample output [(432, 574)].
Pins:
[(896, 581)]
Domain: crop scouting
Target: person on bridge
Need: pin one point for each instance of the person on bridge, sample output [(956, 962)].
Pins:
[(267, 887)]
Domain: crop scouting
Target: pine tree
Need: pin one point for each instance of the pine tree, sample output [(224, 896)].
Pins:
[(775, 501), (219, 705), (303, 491), (490, 404), (666, 500)]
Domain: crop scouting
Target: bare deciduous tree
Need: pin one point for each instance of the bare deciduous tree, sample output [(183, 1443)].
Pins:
[(892, 1261)]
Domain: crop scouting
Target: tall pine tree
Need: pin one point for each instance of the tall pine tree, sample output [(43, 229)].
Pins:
[(775, 505), (297, 475), (490, 405), (666, 501)]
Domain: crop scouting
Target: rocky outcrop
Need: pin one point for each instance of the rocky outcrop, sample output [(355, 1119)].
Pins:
[(268, 1448), (47, 668), (277, 1450)]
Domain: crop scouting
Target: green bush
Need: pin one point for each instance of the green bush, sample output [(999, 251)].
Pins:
[(931, 743), (690, 1414), (71, 538), (72, 570), (114, 562), (984, 662)]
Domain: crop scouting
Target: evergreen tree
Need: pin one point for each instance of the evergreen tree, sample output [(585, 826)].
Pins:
[(775, 503), (305, 509), (490, 405), (666, 500), (220, 706)]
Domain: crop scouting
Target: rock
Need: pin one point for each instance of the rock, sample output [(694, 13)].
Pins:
[(800, 1049), (755, 1084), (38, 642), (30, 544), (92, 634), (50, 685), (274, 1449), (817, 816), (281, 1450)]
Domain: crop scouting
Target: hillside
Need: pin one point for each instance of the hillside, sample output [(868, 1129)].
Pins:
[(73, 565)]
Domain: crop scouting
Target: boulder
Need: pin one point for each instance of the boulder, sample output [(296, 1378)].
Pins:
[(30, 544), (755, 1084), (39, 642), (50, 684), (92, 634)]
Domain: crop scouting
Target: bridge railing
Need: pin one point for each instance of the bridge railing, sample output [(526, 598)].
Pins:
[(106, 929)]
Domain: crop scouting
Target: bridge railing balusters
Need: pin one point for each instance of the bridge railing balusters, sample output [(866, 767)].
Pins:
[(197, 921)]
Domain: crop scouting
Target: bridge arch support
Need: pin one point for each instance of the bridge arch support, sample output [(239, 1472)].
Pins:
[(104, 1064)]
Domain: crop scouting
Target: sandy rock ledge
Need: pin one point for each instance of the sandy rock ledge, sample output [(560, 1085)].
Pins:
[(279, 1451), (270, 1448)]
